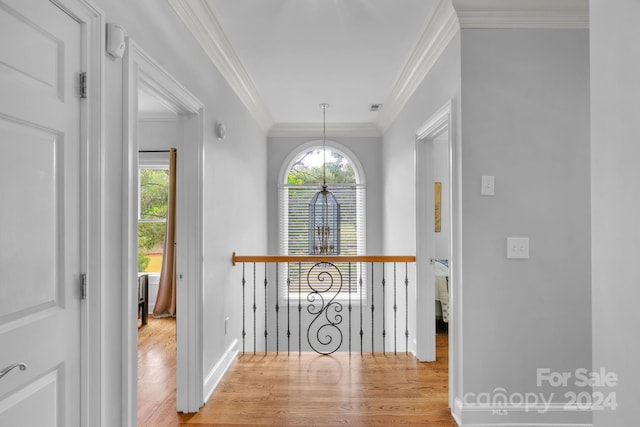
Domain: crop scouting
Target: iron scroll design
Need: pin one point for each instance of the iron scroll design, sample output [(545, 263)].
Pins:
[(325, 283)]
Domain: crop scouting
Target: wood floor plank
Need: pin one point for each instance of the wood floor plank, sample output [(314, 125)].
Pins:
[(297, 390), (156, 374), (341, 389)]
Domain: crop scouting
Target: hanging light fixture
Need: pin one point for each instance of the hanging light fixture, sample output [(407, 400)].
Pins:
[(324, 210)]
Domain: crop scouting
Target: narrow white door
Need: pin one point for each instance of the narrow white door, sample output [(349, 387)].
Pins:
[(39, 215)]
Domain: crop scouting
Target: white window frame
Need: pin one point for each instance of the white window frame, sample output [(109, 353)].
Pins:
[(151, 161)]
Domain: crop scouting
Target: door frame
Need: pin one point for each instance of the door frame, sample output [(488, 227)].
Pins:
[(92, 36), (141, 70), (441, 121)]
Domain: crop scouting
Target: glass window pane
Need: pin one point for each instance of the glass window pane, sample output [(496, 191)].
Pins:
[(154, 193), (150, 246), (308, 168)]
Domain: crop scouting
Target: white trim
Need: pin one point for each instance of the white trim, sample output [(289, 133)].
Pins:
[(555, 415), (334, 130), (522, 13), (142, 72), (441, 121), (217, 372), (436, 125), (91, 132), (512, 424), (200, 19), (435, 38), (456, 408)]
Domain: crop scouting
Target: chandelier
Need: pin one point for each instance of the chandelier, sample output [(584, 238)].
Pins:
[(324, 210)]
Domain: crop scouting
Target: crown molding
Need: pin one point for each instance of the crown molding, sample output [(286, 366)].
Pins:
[(201, 21), (438, 32), (448, 18), (333, 130), (522, 13)]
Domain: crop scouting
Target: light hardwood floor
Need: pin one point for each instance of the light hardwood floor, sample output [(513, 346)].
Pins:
[(157, 373), (309, 390)]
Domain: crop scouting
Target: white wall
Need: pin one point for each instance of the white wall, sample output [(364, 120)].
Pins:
[(156, 134), (525, 120), (615, 206), (235, 172)]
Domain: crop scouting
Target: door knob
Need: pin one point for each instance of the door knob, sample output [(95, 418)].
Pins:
[(8, 369)]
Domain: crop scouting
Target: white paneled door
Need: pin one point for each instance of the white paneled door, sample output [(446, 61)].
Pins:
[(40, 219)]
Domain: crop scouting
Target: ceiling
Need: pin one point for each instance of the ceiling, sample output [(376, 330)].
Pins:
[(285, 57), (300, 53)]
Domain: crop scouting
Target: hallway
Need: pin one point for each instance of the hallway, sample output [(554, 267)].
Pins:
[(305, 389)]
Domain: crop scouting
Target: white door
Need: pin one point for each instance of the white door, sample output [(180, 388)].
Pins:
[(39, 215)]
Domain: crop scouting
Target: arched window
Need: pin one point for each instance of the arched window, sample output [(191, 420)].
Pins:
[(301, 177)]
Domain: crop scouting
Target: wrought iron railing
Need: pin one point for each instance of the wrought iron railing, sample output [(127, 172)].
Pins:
[(306, 295)]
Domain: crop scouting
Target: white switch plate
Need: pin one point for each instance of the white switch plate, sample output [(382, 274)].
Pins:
[(518, 247), (488, 186)]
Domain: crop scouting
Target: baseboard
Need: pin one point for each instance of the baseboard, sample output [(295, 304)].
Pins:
[(456, 411), (215, 375), (555, 415)]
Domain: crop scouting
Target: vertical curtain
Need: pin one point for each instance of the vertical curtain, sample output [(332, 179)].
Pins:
[(166, 300)]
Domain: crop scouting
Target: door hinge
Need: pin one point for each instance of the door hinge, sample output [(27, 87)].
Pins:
[(83, 286), (83, 85)]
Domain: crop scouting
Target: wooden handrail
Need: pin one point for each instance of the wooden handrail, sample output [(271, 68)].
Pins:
[(321, 258)]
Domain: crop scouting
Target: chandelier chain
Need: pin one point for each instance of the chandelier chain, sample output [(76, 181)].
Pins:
[(324, 142)]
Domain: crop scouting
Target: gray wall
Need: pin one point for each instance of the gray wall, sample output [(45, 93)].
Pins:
[(525, 120), (523, 98), (441, 171), (235, 173), (615, 208)]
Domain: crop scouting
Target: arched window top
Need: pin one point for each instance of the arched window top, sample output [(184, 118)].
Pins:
[(305, 165)]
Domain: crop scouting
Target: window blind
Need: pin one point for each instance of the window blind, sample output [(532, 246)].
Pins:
[(294, 209)]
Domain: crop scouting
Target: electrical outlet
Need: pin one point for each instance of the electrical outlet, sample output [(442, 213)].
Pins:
[(518, 247)]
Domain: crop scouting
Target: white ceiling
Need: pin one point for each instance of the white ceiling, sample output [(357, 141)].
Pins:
[(300, 53), (284, 57)]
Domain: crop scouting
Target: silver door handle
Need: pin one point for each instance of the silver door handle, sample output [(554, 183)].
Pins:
[(8, 369)]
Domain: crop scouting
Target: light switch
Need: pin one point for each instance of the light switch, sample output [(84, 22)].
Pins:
[(488, 186), (518, 247)]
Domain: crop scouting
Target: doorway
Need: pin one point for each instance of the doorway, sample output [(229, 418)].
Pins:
[(156, 264), (438, 250), (145, 82)]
